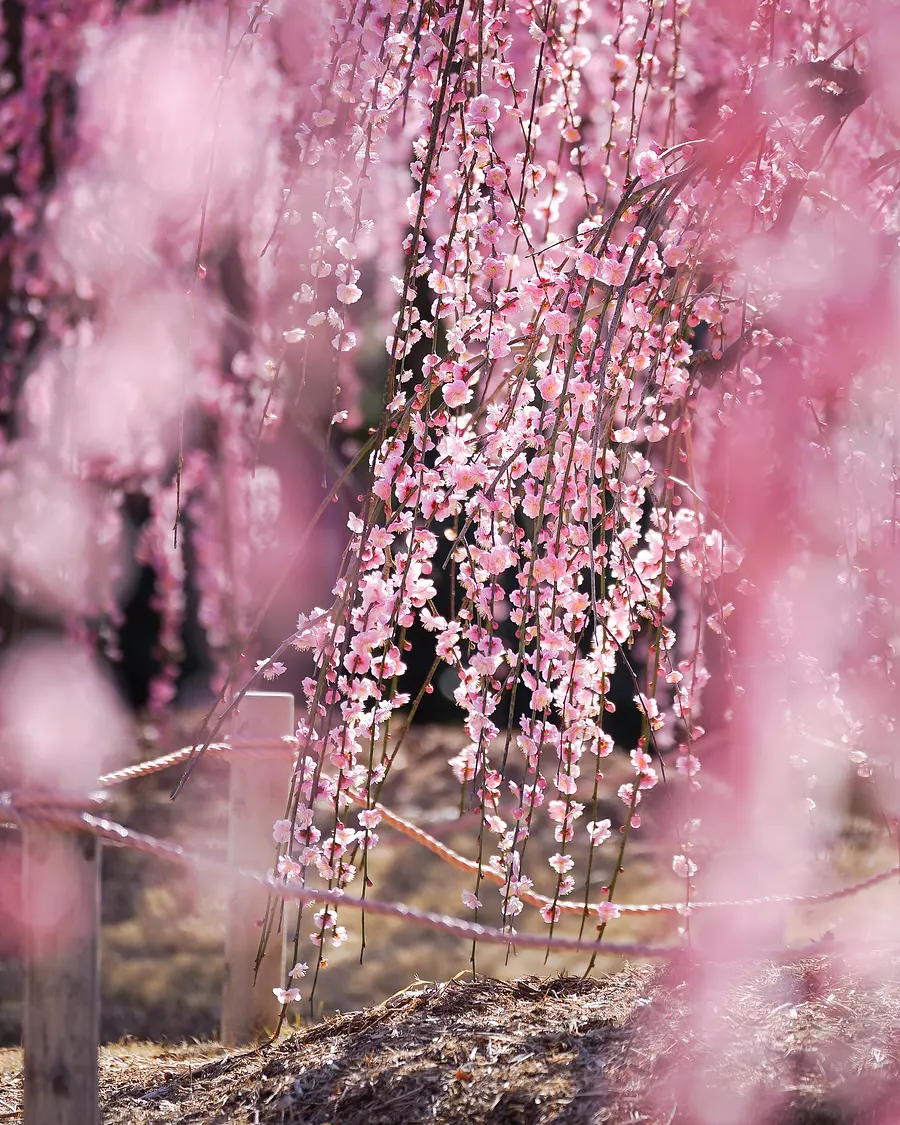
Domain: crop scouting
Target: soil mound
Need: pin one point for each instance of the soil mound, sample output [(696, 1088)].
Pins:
[(814, 1042)]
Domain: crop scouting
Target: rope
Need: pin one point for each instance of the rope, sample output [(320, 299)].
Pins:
[(249, 747), (123, 837), (145, 769), (448, 855), (461, 863), (263, 748), (18, 808)]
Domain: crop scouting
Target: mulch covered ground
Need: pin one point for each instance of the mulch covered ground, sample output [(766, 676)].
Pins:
[(808, 1043)]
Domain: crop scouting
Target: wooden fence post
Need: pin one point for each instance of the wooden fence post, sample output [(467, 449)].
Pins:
[(64, 721), (62, 986), (259, 790)]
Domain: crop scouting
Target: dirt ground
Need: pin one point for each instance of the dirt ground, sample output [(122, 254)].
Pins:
[(806, 1043)]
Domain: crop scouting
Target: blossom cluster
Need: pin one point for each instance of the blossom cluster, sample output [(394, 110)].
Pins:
[(589, 292)]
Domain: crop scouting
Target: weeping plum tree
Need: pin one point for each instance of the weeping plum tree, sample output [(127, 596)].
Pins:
[(627, 273)]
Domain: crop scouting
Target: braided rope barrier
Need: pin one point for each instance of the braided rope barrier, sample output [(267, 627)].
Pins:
[(254, 747), (120, 836), (534, 899), (17, 808), (250, 747)]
